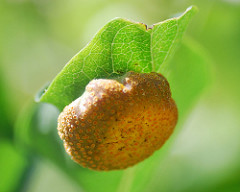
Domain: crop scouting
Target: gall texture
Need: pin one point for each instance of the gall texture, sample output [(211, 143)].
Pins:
[(114, 125)]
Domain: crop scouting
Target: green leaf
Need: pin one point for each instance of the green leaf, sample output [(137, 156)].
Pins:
[(120, 46)]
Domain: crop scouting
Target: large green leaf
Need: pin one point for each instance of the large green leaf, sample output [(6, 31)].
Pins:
[(120, 46)]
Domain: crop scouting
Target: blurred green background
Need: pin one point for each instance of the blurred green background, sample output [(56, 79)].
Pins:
[(38, 37)]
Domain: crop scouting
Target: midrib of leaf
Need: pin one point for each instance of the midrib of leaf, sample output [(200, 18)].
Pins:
[(151, 51), (171, 46)]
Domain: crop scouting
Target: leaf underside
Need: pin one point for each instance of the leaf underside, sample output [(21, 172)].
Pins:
[(120, 46)]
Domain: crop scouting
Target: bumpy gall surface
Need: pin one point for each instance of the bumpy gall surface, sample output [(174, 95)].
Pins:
[(114, 125)]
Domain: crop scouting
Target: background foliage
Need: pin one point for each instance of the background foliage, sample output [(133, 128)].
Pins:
[(39, 37)]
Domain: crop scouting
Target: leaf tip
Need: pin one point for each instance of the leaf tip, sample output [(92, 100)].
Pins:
[(193, 9), (189, 13)]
